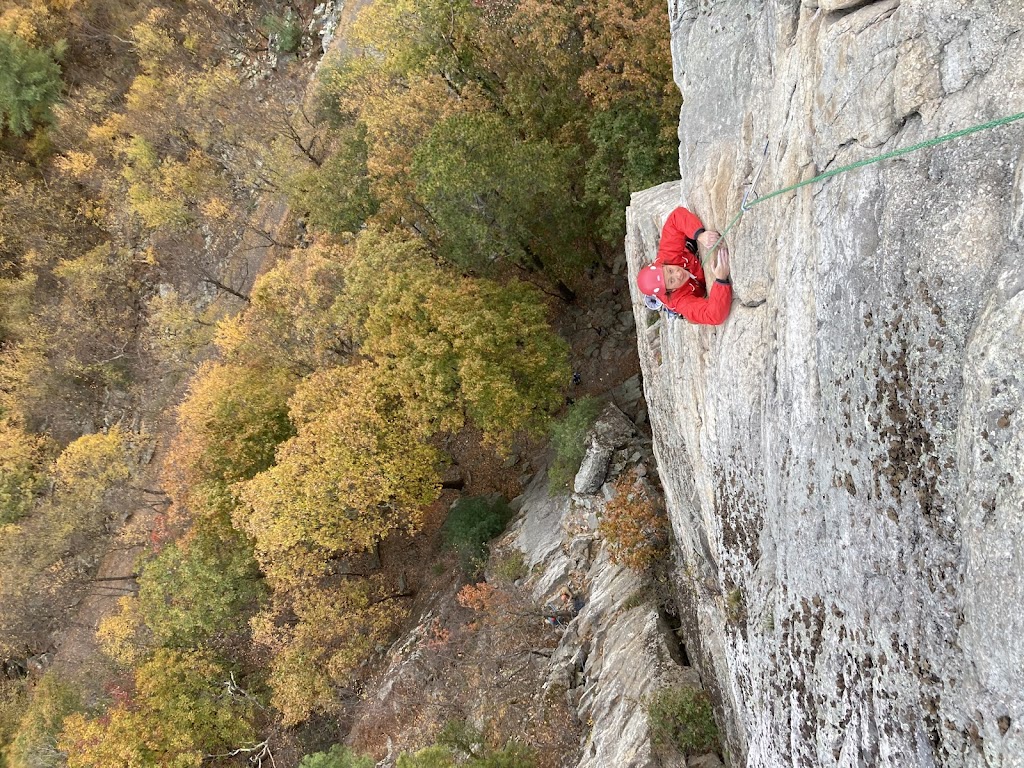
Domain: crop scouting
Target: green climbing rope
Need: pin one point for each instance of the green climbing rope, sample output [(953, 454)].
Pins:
[(861, 164)]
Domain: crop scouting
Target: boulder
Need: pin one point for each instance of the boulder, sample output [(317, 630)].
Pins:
[(612, 430)]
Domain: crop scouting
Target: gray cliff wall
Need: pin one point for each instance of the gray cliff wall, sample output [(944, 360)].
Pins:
[(843, 459)]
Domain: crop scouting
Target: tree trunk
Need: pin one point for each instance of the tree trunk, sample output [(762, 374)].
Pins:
[(565, 293)]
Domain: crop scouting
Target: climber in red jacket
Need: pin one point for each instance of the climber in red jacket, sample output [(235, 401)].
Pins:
[(676, 278)]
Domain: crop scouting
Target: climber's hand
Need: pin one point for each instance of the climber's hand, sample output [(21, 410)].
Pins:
[(708, 238), (720, 268)]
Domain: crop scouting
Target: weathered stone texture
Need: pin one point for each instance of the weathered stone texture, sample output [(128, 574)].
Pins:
[(611, 431), (843, 458), (618, 651)]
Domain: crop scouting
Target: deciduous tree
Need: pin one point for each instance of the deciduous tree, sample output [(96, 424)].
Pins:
[(320, 636), (336, 194), (418, 37), (495, 196), (175, 327), (199, 588), (353, 473), (298, 316), (468, 349), (178, 713), (52, 699), (96, 319), (23, 475), (229, 425), (44, 556)]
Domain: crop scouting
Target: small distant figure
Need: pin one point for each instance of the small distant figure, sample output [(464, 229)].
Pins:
[(576, 378), (675, 280)]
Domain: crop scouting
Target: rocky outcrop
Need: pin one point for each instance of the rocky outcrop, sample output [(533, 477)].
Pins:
[(843, 460), (618, 650), (611, 431), (601, 658)]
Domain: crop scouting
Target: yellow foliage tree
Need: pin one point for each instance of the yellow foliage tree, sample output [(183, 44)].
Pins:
[(319, 636), (37, 554), (90, 467), (228, 427), (177, 715), (52, 699), (470, 349), (354, 473), (296, 315), (22, 471), (168, 192), (95, 321), (175, 328), (15, 306)]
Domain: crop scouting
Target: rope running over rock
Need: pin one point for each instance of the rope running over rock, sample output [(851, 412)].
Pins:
[(861, 164)]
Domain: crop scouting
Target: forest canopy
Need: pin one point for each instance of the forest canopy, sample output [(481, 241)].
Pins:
[(251, 294)]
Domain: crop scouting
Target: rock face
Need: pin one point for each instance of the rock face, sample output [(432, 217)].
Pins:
[(843, 460), (618, 651)]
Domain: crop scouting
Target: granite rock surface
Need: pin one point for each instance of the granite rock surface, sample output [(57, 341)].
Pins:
[(842, 459)]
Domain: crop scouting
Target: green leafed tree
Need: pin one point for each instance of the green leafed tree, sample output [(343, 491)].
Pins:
[(630, 153), (197, 589), (335, 193), (496, 197), (337, 757), (30, 85), (459, 743), (431, 757)]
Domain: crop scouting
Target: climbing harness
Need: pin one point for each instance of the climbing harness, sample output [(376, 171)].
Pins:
[(747, 203)]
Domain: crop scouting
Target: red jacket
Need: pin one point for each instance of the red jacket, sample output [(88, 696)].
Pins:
[(679, 246)]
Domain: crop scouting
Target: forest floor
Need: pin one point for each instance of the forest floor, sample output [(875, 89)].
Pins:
[(75, 646)]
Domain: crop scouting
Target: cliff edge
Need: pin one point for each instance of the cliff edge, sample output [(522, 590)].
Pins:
[(842, 460)]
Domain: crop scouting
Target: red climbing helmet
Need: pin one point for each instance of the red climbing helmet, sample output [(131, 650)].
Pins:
[(651, 280)]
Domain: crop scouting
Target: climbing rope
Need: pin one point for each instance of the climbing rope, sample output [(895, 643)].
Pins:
[(746, 206)]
